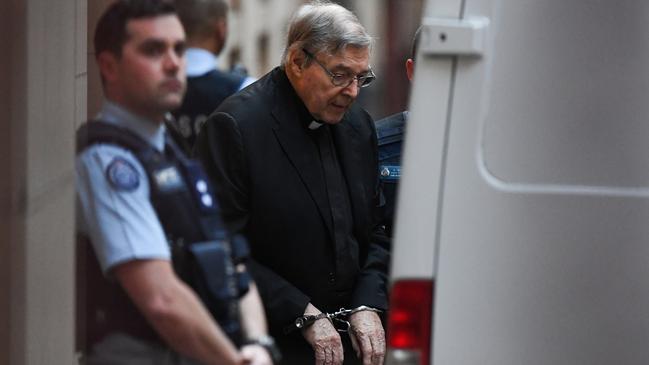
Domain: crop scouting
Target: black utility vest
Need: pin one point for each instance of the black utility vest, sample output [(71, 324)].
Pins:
[(204, 94), (204, 255)]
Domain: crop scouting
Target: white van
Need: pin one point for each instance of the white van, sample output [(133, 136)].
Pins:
[(522, 233)]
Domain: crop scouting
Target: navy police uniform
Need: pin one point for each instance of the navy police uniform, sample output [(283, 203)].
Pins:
[(390, 133), (140, 198)]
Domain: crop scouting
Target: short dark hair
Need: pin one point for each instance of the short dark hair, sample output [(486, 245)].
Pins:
[(111, 34), (197, 15)]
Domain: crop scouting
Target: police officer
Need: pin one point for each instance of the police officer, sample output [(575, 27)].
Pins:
[(206, 25), (390, 131), (150, 217)]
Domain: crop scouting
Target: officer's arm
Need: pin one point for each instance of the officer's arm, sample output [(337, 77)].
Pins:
[(254, 325), (175, 312), (252, 314)]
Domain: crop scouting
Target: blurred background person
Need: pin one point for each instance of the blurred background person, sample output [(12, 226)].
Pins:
[(390, 132), (206, 25)]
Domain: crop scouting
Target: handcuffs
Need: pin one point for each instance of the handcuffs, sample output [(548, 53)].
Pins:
[(338, 319)]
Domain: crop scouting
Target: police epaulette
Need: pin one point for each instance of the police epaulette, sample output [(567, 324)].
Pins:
[(390, 129), (389, 135)]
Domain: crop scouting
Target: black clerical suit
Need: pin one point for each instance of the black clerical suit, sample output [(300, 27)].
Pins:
[(275, 185)]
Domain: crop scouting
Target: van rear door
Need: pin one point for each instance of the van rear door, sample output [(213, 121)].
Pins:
[(525, 189)]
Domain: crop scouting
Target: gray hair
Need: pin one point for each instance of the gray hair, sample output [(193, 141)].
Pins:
[(197, 15), (322, 26)]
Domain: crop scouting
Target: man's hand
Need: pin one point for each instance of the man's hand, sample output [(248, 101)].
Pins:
[(324, 339), (255, 355), (368, 337)]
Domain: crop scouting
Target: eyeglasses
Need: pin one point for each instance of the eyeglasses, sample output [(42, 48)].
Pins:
[(342, 79)]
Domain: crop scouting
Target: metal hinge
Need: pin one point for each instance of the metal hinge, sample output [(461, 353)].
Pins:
[(454, 37)]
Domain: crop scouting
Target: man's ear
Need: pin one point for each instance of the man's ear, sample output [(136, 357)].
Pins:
[(220, 34), (296, 60), (107, 63), (410, 68)]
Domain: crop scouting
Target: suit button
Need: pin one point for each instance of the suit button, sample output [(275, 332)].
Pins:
[(332, 277)]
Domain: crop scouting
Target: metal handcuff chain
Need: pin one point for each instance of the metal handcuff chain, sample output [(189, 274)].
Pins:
[(346, 313), (338, 319)]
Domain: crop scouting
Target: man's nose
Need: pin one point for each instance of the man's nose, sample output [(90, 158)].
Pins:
[(172, 61), (352, 89)]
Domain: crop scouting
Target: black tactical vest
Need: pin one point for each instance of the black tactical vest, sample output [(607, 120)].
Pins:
[(204, 94), (204, 255)]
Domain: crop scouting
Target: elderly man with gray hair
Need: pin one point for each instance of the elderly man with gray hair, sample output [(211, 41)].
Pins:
[(295, 161)]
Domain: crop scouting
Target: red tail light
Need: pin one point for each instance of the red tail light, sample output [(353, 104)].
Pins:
[(409, 320)]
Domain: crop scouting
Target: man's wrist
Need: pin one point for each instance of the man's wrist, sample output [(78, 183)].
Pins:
[(309, 319), (268, 343), (364, 308)]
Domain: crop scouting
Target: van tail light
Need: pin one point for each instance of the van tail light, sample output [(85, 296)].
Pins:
[(410, 322)]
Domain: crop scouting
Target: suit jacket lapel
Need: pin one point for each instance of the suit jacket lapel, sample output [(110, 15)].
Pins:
[(302, 153), (349, 152)]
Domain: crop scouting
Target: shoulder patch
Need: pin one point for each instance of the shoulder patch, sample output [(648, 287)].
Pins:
[(122, 175), (390, 172)]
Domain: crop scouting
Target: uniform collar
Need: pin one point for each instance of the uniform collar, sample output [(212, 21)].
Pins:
[(150, 131), (200, 61)]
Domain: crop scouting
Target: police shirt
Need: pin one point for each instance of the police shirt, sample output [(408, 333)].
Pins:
[(113, 203)]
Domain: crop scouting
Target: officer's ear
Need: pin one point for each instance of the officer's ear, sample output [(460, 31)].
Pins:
[(107, 63), (410, 68), (220, 34)]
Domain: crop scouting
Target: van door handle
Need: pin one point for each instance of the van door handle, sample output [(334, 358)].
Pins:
[(454, 37)]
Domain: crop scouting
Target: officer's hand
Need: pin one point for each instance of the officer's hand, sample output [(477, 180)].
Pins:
[(324, 339), (255, 355), (368, 337)]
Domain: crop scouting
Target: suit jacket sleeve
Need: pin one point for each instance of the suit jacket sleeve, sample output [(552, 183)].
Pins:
[(221, 149), (371, 287)]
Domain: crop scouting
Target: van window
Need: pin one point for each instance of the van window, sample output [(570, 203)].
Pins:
[(558, 95)]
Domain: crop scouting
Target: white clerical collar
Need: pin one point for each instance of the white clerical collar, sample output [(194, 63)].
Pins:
[(314, 125)]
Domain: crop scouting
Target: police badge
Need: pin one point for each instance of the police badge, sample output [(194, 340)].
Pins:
[(122, 175)]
